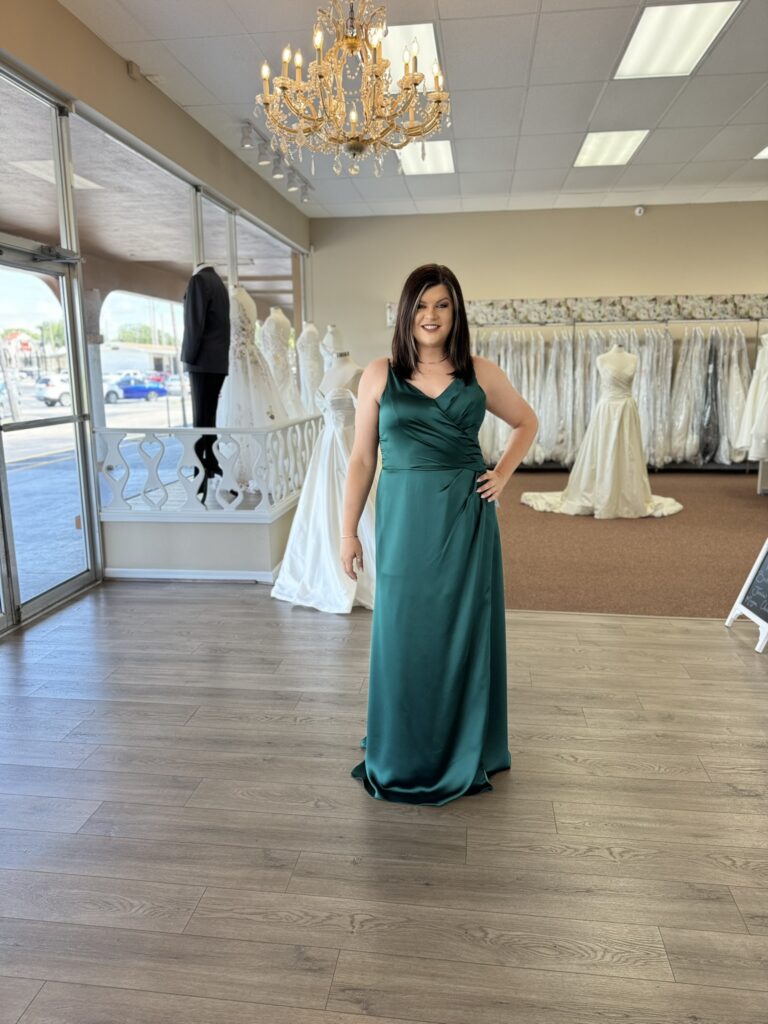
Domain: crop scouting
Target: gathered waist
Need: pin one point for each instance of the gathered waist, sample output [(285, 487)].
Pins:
[(428, 469)]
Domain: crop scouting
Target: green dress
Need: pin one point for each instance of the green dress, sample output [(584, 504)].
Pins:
[(437, 691)]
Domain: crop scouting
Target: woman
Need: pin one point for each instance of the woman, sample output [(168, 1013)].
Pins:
[(437, 699)]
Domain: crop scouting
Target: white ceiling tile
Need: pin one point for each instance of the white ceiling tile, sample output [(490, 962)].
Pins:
[(673, 145), (641, 198), (429, 186), (711, 100), (108, 19), (226, 65), (579, 5), (754, 172), (756, 111), (481, 204), (742, 46), (174, 19), (178, 82), (484, 154), (535, 151), (580, 46), (392, 207), (539, 181), (338, 190), (633, 103), (531, 201), (442, 205), (736, 142), (407, 12), (485, 8), (487, 53), (566, 200), (485, 182), (704, 174), (559, 108), (347, 209), (647, 175), (392, 187), (667, 198), (591, 179), (485, 113)]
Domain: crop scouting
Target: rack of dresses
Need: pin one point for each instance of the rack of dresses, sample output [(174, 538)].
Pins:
[(690, 390)]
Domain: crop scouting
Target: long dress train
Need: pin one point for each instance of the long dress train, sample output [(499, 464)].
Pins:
[(437, 698)]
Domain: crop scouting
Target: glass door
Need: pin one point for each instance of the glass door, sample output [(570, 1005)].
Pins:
[(45, 510)]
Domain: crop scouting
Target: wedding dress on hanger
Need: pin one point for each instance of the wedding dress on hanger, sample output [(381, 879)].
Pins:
[(311, 366), (249, 399), (311, 573), (609, 478), (275, 338), (753, 432)]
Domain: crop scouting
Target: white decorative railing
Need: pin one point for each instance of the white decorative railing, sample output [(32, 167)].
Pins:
[(158, 472)]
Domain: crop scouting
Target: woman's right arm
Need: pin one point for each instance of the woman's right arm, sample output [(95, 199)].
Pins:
[(362, 461)]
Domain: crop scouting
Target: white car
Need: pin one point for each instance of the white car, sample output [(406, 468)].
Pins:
[(54, 389)]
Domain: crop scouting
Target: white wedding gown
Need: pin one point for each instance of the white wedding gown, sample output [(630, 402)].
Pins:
[(753, 432), (311, 366), (311, 572), (249, 399), (609, 479)]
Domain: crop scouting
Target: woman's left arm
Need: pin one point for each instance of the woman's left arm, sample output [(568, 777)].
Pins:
[(509, 405)]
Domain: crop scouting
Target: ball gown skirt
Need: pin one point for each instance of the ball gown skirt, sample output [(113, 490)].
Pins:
[(437, 692)]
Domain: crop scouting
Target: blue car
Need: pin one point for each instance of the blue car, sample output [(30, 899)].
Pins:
[(134, 386)]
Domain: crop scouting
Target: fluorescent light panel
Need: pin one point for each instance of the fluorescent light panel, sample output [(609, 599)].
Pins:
[(671, 40), (400, 36), (762, 155), (439, 159), (609, 149)]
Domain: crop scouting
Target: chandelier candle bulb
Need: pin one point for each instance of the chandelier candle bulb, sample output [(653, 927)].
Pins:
[(298, 60), (406, 61), (286, 60), (265, 77), (318, 41), (415, 57), (436, 73)]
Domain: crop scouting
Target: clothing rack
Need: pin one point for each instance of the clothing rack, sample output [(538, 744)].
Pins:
[(689, 389)]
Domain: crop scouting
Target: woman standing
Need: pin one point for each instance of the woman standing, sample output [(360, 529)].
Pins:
[(437, 698)]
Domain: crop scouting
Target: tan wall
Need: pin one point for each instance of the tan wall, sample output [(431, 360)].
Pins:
[(44, 39), (359, 264)]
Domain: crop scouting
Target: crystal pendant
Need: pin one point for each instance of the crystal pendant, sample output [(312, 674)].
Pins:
[(378, 164), (354, 169), (273, 143), (312, 166), (423, 150), (337, 165)]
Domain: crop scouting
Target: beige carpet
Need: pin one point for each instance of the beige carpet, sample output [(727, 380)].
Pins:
[(691, 564)]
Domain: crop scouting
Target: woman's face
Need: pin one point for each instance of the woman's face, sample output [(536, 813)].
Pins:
[(433, 321)]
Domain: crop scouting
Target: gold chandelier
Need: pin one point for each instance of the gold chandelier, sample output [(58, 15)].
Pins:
[(344, 105)]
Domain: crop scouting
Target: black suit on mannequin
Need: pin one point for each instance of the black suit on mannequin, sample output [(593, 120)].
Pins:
[(205, 354)]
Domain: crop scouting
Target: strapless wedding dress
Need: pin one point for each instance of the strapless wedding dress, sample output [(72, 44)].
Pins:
[(609, 479)]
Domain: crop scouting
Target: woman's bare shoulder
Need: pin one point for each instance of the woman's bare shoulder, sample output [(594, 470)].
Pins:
[(374, 377)]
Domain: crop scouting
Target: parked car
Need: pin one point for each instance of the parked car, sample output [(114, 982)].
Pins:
[(54, 389), (133, 386), (173, 384)]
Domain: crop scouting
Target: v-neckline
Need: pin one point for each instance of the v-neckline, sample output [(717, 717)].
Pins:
[(432, 398)]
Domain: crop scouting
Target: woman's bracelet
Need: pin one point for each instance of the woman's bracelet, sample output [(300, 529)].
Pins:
[(348, 535)]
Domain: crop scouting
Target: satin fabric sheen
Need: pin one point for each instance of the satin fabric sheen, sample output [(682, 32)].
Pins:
[(437, 691)]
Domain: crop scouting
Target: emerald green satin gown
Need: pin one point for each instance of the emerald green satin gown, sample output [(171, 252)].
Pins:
[(437, 690)]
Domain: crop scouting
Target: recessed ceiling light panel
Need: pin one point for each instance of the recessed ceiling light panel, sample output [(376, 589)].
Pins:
[(609, 149), (438, 158), (671, 40)]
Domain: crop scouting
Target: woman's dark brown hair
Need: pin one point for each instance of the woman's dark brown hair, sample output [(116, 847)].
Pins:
[(405, 355)]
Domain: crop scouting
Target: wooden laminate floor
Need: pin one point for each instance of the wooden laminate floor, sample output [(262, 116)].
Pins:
[(181, 841)]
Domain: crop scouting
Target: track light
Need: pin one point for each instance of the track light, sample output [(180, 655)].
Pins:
[(277, 169), (304, 194), (294, 183), (263, 159), (246, 136)]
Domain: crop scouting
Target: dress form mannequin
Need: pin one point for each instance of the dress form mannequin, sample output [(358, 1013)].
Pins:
[(609, 479), (311, 366), (342, 371), (275, 338)]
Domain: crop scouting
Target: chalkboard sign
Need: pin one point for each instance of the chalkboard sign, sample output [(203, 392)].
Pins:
[(753, 599)]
